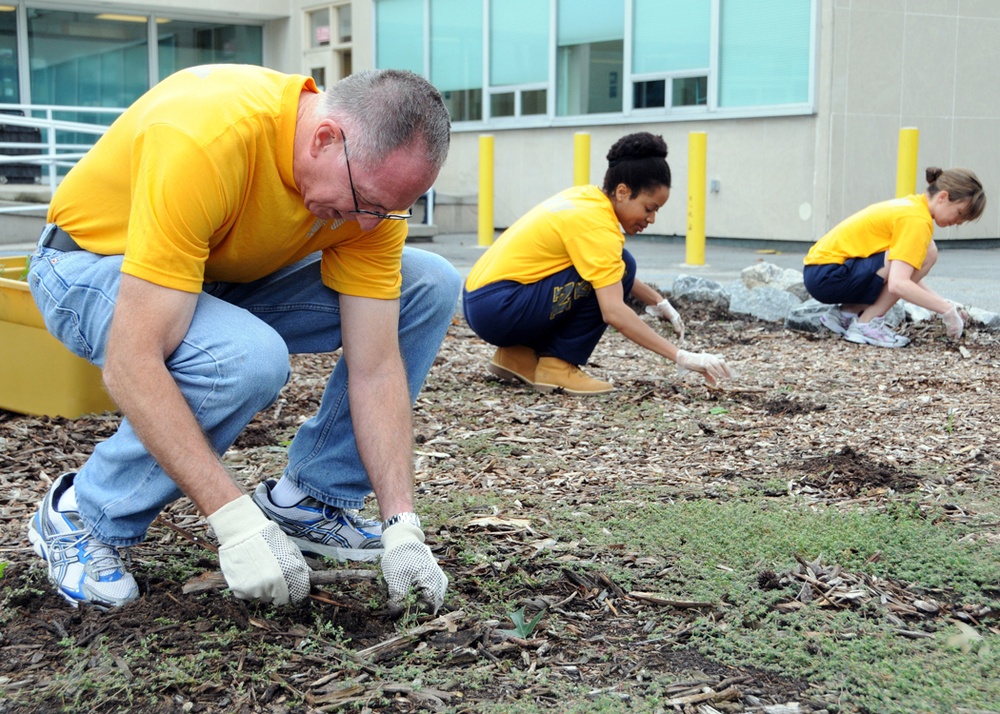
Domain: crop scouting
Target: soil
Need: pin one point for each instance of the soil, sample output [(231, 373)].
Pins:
[(807, 416)]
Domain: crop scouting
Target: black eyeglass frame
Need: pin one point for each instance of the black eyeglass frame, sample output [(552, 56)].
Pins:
[(354, 194)]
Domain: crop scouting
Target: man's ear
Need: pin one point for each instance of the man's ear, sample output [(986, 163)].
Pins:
[(326, 133)]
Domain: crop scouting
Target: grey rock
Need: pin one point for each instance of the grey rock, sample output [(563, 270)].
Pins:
[(695, 289), (763, 302), (805, 317)]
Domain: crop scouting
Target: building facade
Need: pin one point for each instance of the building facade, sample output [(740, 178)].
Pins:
[(801, 101)]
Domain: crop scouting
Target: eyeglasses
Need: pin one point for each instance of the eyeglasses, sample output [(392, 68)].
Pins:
[(357, 209)]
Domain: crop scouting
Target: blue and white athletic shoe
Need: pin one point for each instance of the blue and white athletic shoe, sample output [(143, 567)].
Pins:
[(322, 530), (80, 566)]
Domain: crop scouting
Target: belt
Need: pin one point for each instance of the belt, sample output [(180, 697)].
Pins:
[(59, 239)]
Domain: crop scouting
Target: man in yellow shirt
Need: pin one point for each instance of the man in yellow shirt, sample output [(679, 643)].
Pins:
[(220, 224)]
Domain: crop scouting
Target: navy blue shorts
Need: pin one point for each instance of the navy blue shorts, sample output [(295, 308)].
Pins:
[(855, 282)]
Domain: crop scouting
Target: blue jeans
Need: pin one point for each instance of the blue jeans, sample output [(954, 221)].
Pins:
[(232, 363), (558, 316)]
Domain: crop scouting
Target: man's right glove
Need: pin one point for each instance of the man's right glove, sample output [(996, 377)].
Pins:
[(712, 366), (953, 322), (408, 563), (257, 558)]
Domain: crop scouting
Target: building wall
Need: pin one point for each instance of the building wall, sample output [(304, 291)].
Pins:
[(882, 65)]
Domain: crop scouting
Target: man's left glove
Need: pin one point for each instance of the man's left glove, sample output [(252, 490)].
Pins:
[(408, 563), (953, 322), (665, 311)]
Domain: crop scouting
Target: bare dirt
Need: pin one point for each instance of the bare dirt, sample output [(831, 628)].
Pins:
[(808, 416)]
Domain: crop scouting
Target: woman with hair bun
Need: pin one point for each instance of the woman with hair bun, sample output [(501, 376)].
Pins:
[(550, 285), (881, 254)]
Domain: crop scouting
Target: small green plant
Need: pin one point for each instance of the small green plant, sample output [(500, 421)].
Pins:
[(718, 410), (950, 426), (3, 567), (523, 628)]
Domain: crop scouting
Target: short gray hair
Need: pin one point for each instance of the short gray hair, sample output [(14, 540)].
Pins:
[(386, 109)]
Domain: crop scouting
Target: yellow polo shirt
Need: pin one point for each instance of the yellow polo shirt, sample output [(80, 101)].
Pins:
[(193, 183), (575, 227)]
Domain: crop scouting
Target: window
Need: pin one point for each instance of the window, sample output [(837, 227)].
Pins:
[(457, 56), (519, 58), (10, 90), (764, 57), (399, 35), (671, 53), (187, 44), (590, 39)]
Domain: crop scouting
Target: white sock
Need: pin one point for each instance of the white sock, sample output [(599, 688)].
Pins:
[(286, 494), (67, 500)]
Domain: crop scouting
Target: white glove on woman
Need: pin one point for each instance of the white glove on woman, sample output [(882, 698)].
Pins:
[(712, 366), (665, 311), (953, 322), (408, 563), (257, 558)]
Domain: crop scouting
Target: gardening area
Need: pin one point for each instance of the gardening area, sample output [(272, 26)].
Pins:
[(819, 534)]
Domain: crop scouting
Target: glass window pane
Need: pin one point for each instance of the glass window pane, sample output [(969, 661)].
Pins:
[(464, 104), (344, 23), (670, 35), (10, 88), (399, 35), (519, 42), (502, 105), (590, 57), (533, 101), (585, 21), (764, 55), (70, 51), (589, 78), (646, 95), (689, 91), (456, 44), (319, 28), (188, 44)]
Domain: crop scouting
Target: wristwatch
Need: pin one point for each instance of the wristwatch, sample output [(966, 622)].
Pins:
[(406, 517)]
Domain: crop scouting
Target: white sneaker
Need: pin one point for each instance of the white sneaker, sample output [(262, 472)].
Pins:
[(874, 333), (83, 568), (836, 321)]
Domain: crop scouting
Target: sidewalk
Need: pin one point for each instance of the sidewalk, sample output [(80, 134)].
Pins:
[(967, 275)]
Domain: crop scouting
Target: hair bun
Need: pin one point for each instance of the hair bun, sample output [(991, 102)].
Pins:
[(933, 173), (641, 145)]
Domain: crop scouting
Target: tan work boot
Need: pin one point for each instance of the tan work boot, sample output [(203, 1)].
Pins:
[(553, 373), (514, 363)]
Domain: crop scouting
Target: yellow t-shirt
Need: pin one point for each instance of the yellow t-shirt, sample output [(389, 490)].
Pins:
[(575, 227), (902, 226), (194, 183)]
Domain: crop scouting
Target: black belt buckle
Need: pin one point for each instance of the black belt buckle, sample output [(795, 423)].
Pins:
[(58, 239)]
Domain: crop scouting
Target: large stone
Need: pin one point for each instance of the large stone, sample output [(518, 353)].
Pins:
[(770, 275), (695, 289), (763, 302), (984, 319), (805, 317)]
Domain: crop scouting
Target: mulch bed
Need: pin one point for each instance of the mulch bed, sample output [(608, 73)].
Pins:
[(834, 423)]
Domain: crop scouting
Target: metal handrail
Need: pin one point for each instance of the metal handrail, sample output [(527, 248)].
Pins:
[(51, 152)]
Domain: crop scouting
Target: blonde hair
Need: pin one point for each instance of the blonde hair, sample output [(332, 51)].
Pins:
[(961, 185)]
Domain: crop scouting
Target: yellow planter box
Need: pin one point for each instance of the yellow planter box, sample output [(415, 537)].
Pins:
[(38, 375)]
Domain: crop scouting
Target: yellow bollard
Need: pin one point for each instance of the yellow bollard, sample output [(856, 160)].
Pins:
[(581, 159), (695, 240), (906, 163), (486, 189)]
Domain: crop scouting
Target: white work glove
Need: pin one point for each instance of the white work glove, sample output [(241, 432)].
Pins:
[(408, 563), (712, 366), (665, 311), (257, 558), (953, 322)]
